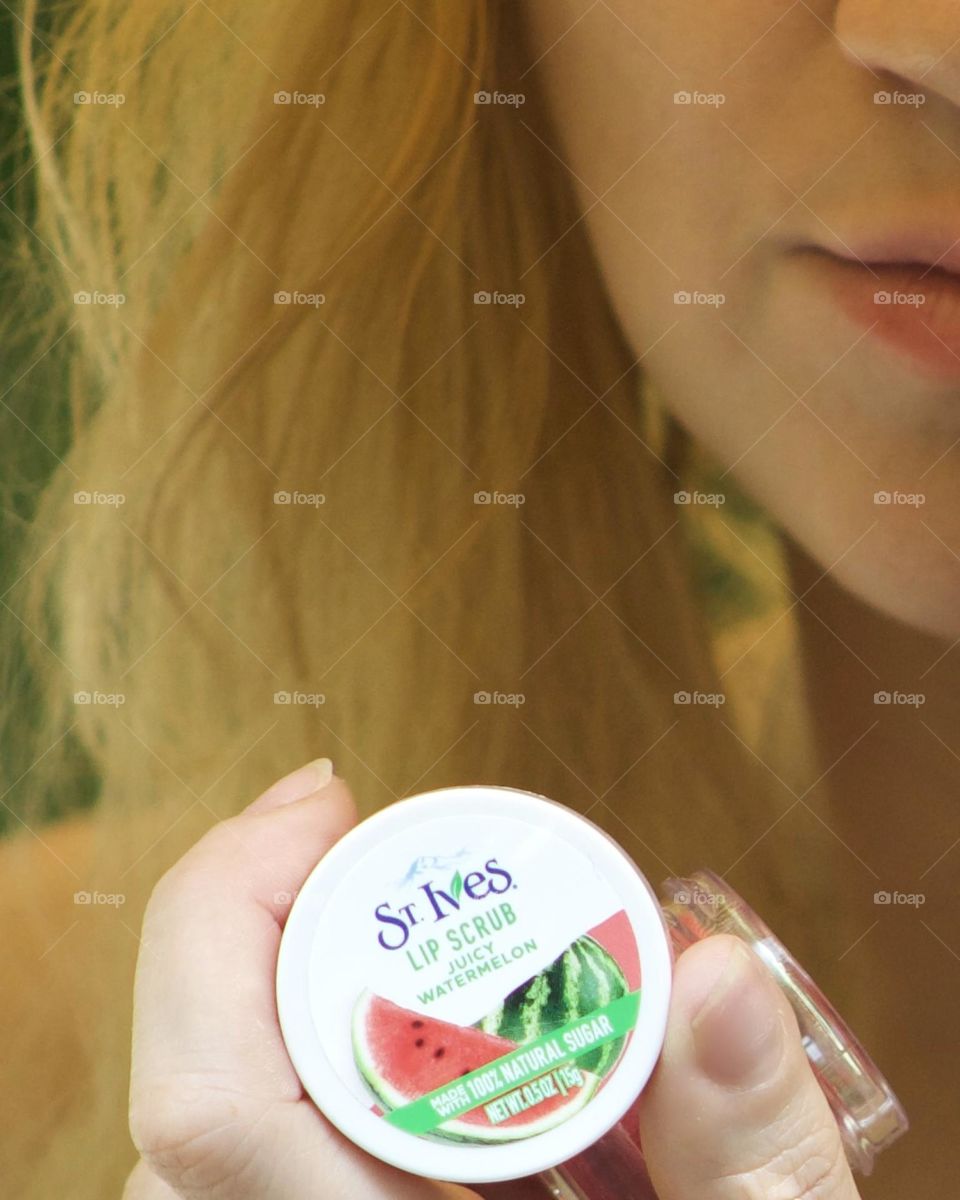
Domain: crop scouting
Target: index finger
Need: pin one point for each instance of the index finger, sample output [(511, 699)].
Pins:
[(215, 1100)]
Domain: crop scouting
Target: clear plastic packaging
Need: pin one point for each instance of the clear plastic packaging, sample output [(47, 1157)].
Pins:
[(869, 1115)]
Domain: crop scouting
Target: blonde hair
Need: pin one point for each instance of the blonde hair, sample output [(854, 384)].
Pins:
[(397, 596)]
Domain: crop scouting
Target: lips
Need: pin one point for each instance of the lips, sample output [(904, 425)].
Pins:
[(905, 290), (937, 246)]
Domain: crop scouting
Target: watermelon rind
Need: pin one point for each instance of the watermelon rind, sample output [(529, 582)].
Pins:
[(582, 979), (391, 1097)]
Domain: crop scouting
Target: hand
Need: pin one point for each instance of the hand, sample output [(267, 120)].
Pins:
[(216, 1109), (218, 1113), (733, 1110)]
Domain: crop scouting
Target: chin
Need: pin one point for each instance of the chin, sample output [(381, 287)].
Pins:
[(917, 584)]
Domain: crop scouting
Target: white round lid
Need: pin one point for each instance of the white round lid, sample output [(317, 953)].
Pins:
[(473, 984)]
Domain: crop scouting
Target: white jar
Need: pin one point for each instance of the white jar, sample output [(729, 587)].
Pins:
[(406, 940)]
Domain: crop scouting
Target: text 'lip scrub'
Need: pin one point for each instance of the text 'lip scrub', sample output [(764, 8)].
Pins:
[(473, 985)]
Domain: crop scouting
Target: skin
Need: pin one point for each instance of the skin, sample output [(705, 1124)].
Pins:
[(722, 199), (216, 1109)]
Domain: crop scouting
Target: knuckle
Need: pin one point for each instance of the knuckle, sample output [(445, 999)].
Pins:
[(142, 1184), (795, 1160), (813, 1167), (820, 1174), (193, 1137), (193, 870)]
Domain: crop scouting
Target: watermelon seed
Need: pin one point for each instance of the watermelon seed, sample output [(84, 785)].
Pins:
[(417, 1024), (418, 1042), (439, 1053)]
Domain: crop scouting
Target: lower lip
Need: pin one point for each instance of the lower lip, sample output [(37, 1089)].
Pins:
[(920, 318)]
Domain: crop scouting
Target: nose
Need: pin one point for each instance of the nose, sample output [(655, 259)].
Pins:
[(917, 40)]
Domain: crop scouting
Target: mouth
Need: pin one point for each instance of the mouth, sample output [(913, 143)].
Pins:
[(904, 290)]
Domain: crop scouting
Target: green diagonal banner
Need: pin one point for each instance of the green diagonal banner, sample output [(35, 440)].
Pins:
[(556, 1049)]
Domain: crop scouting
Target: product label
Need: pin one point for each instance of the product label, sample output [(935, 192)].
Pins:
[(478, 986)]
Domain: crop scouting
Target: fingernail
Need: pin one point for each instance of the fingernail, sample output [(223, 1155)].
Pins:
[(295, 786), (737, 1031), (323, 773)]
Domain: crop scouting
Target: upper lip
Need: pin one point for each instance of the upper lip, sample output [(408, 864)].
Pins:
[(935, 245)]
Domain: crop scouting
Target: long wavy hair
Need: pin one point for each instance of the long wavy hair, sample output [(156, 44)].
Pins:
[(288, 486)]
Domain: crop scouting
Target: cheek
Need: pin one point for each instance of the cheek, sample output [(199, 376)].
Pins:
[(721, 39), (672, 184), (689, 131)]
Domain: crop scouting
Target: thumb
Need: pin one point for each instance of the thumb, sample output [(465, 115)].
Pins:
[(734, 1109)]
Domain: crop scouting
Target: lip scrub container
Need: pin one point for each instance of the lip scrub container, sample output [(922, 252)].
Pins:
[(473, 986)]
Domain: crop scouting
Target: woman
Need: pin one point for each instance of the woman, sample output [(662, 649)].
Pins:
[(418, 354)]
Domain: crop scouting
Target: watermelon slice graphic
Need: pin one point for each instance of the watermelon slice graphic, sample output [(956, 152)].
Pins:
[(403, 1055), (582, 979)]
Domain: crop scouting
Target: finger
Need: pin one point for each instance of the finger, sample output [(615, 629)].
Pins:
[(733, 1108), (204, 995), (216, 1107), (304, 782)]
